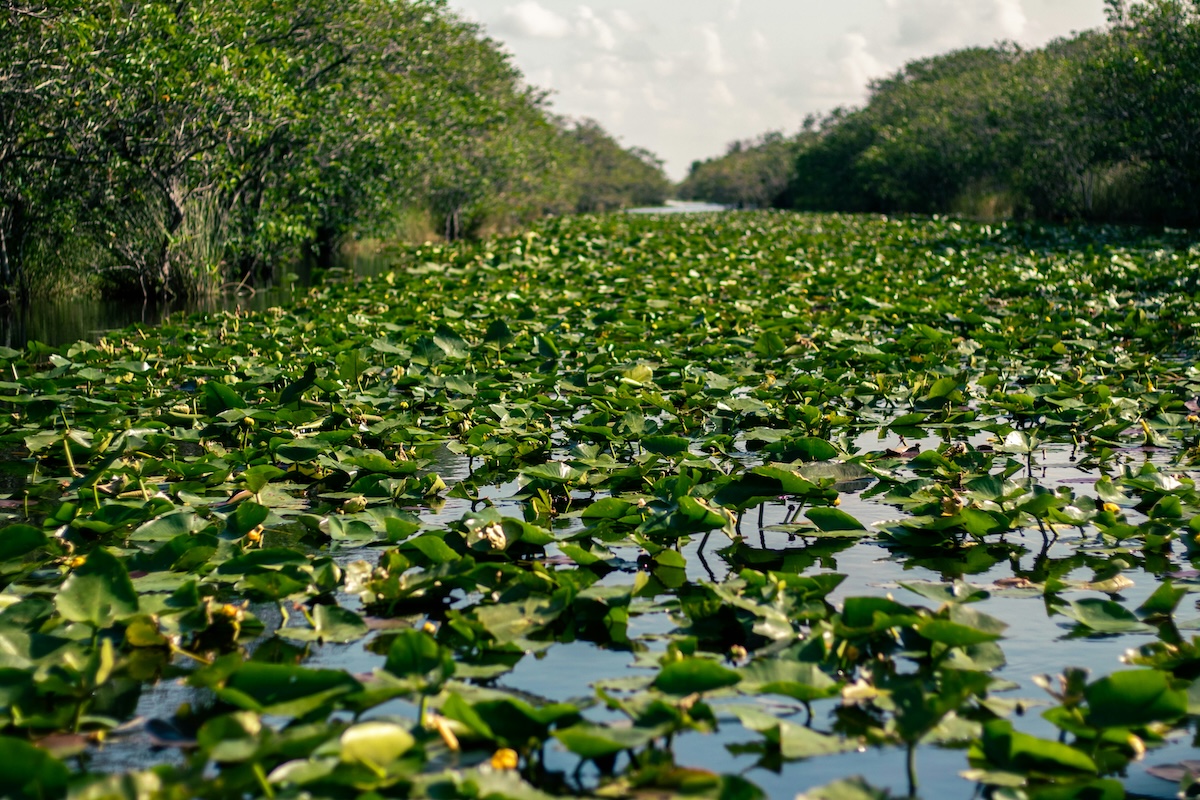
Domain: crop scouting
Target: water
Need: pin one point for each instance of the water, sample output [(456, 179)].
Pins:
[(1034, 643), (60, 321), (679, 207)]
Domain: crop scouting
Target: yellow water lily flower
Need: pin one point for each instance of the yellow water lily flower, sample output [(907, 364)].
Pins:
[(504, 759)]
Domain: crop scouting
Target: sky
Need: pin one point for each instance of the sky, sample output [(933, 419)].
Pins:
[(683, 78)]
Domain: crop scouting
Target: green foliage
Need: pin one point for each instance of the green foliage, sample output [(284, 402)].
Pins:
[(353, 527), (171, 147), (1099, 126), (751, 174)]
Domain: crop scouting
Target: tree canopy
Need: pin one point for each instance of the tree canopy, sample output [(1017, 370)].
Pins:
[(1100, 126), (173, 146)]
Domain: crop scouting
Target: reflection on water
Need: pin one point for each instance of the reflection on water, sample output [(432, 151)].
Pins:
[(61, 321), (679, 207)]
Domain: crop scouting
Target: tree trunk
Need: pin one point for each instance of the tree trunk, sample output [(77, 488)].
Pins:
[(12, 235), (327, 246), (454, 225)]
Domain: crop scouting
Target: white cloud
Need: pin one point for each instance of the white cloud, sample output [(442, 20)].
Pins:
[(625, 22), (684, 77), (936, 25), (760, 53), (714, 56), (529, 18), (1011, 16), (850, 67), (721, 95), (594, 29)]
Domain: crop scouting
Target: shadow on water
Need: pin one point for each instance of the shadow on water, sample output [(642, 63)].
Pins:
[(56, 322)]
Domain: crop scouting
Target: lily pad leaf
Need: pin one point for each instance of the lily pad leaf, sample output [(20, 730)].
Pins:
[(30, 772), (666, 445), (19, 540), (793, 741), (295, 390), (833, 519), (1014, 751), (692, 675), (1163, 602), (98, 592), (416, 656), (596, 741), (255, 478), (608, 508), (1104, 616), (374, 744), (953, 634), (330, 624), (855, 788), (222, 398), (286, 689), (498, 333), (799, 680), (1134, 697)]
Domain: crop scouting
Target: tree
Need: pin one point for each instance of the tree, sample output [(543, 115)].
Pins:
[(1144, 87), (753, 173), (170, 146)]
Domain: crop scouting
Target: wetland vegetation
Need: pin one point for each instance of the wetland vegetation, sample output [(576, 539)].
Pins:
[(168, 149), (1099, 126), (728, 505)]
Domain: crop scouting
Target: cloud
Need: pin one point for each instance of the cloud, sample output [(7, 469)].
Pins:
[(721, 95), (625, 22), (533, 20), (852, 66), (714, 56), (926, 25), (594, 29), (683, 77), (1011, 16)]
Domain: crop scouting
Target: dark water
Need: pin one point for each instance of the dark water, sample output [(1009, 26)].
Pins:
[(59, 321)]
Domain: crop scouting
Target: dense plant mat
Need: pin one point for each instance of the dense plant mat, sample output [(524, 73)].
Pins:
[(308, 552)]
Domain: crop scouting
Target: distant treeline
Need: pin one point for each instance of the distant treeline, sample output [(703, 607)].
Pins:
[(170, 147), (1102, 126)]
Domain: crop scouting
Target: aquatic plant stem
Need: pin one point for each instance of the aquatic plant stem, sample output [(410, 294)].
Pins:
[(911, 768)]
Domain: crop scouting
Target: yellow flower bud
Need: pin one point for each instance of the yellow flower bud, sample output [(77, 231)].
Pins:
[(504, 759), (1137, 746)]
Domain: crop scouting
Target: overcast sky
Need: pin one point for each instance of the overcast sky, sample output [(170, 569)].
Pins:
[(685, 77)]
